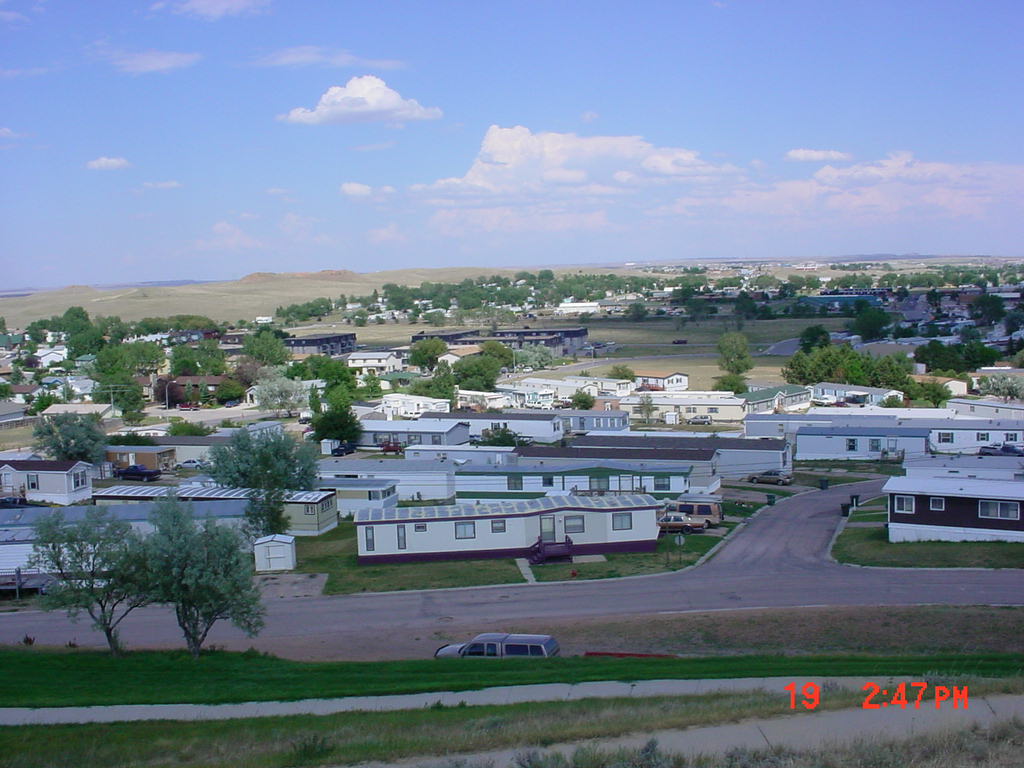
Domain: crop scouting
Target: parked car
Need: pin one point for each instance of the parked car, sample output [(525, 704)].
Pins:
[(679, 341), (305, 419), (701, 419), (680, 524), (343, 449), (498, 645), (192, 464), (1006, 449), (391, 447), (137, 472), (188, 406), (232, 403), (705, 511), (773, 476)]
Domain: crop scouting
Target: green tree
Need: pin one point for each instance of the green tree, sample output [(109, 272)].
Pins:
[(71, 437), (266, 348), (41, 402), (182, 428), (371, 385), (535, 356), (121, 390), (734, 353), (204, 571), (337, 424), (500, 436), (745, 306), (99, 567), (88, 341), (989, 308), (870, 323), (316, 404), (636, 312), (229, 390), (270, 464), (696, 309), (500, 352), (646, 406), (935, 392), (478, 373), (731, 382), (1006, 387), (892, 401), (814, 336), (621, 371), (425, 353), (276, 393), (582, 401), (6, 392)]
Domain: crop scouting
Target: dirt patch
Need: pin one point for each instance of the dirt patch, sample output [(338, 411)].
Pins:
[(290, 585)]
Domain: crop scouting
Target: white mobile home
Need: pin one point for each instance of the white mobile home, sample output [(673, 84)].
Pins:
[(966, 466), (538, 529), (355, 493), (51, 482), (680, 406), (869, 443), (400, 405), (588, 421), (527, 478), (789, 397), (377, 432), (987, 408), (605, 387), (483, 401), (413, 480), (667, 382), (463, 455), (541, 427), (830, 392)]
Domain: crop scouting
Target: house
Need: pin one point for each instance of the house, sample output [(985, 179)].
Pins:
[(11, 340), (956, 387), (47, 356), (787, 424), (482, 401), (677, 407), (378, 363), (159, 457), (432, 431), (199, 385), (51, 482), (954, 509), (788, 397), (561, 525), (454, 354), (323, 344), (563, 341), (405, 406), (588, 421), (605, 387), (102, 410), (12, 412), (830, 392), (966, 466), (540, 427), (871, 443), (309, 513), (658, 382), (528, 396), (355, 493), (528, 477), (413, 480), (252, 392), (577, 308), (463, 455), (26, 393), (987, 408), (736, 456), (194, 447)]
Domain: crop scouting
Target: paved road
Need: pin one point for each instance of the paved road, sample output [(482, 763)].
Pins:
[(779, 560), (786, 347)]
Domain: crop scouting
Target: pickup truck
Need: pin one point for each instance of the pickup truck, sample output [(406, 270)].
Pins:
[(391, 448), (1006, 449), (137, 472)]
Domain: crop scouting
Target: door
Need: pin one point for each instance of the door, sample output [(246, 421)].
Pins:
[(547, 528)]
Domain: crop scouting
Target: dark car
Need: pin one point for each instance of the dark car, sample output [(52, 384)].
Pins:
[(679, 341), (774, 476), (391, 447), (188, 407), (344, 449), (137, 472), (1006, 449)]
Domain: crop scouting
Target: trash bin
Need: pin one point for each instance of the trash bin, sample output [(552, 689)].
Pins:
[(823, 483), (770, 499), (854, 500), (846, 509)]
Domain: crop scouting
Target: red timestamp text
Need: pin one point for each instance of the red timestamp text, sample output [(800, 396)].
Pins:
[(902, 695)]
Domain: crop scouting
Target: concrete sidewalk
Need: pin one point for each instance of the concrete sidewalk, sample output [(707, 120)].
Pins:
[(512, 694), (805, 731)]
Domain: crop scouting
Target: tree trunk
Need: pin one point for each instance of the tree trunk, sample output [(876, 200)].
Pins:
[(112, 641)]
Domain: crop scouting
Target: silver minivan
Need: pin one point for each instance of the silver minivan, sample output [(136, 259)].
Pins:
[(498, 645)]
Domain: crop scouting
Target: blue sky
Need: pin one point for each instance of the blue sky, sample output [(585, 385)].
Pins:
[(208, 139)]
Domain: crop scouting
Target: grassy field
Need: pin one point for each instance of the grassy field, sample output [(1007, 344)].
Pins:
[(870, 546), (356, 737), (702, 370), (668, 557), (41, 678), (833, 468), (19, 437), (334, 553), (811, 479)]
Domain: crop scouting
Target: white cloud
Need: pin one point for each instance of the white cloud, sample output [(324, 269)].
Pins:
[(816, 155), (228, 237), (318, 56), (11, 74), (362, 100), (276, 191), (589, 116), (355, 189), (107, 164), (7, 133), (211, 10), (378, 147), (162, 184), (388, 234), (145, 62)]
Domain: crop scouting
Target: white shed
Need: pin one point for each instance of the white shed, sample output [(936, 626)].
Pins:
[(274, 553)]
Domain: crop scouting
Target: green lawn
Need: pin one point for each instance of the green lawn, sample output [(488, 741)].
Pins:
[(875, 467), (668, 557), (806, 478), (739, 508), (861, 515), (44, 678), (870, 546), (663, 330), (776, 490), (334, 553)]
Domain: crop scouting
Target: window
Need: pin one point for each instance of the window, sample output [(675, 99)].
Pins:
[(662, 484), (368, 537), (536, 650), (78, 480), (904, 504), (583, 423), (690, 409), (945, 437), (435, 439), (465, 530), (475, 649), (622, 521), (937, 504), (999, 510), (574, 524), (374, 495), (1011, 437), (495, 426), (875, 444), (497, 526), (415, 439), (516, 649), (309, 509), (419, 528), (401, 537), (514, 482), (981, 437), (599, 483), (851, 444), (713, 409), (32, 481), (548, 481)]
